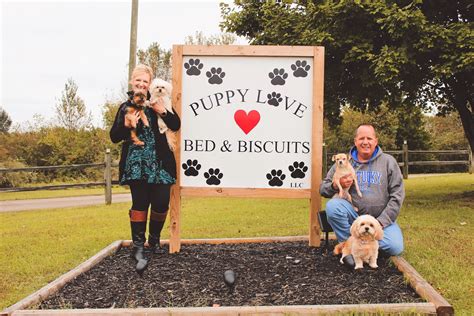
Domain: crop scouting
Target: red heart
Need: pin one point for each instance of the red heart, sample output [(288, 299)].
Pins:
[(247, 121)]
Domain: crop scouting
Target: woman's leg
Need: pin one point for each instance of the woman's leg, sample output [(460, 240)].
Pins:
[(160, 200), (138, 218), (139, 211)]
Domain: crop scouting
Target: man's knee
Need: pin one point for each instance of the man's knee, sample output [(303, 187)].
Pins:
[(395, 249), (335, 208), (392, 247)]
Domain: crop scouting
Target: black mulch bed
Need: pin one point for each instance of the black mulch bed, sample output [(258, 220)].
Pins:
[(289, 273)]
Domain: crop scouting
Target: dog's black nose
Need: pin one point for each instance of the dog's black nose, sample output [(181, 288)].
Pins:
[(367, 229)]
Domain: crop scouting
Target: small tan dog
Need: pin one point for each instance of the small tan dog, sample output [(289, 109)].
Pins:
[(138, 101), (344, 168), (363, 243), (162, 89)]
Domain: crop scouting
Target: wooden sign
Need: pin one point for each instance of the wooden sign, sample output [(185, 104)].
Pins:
[(252, 122)]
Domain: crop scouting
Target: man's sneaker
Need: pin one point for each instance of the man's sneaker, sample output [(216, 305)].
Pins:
[(349, 261)]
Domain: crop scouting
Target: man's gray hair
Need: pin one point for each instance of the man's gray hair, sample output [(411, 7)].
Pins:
[(365, 124)]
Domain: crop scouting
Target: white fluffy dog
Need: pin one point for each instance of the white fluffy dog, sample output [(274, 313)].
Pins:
[(162, 89), (363, 243)]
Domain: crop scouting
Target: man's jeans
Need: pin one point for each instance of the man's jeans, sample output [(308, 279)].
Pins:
[(341, 215)]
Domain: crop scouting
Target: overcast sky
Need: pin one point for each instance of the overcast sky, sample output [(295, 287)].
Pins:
[(46, 42)]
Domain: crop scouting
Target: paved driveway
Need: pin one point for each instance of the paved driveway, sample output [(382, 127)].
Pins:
[(35, 204)]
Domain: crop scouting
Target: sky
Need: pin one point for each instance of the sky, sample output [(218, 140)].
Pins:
[(43, 43)]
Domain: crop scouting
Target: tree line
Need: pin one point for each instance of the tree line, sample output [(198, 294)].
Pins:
[(46, 144)]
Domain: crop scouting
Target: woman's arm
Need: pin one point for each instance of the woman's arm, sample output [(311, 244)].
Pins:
[(119, 132), (171, 120)]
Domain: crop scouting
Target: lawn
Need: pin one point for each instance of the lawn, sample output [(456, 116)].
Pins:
[(437, 220), (43, 194)]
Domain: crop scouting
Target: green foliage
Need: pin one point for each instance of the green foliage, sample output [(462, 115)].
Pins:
[(15, 179), (403, 53), (411, 127), (446, 132), (109, 110), (341, 138), (5, 121), (71, 111), (52, 146)]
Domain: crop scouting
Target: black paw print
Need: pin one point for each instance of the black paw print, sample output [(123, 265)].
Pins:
[(274, 98), (300, 68), (278, 76), (298, 170), (191, 168), (193, 67), (276, 178), (215, 75), (213, 176)]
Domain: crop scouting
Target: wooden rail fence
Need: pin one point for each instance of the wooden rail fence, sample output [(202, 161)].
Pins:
[(406, 160), (107, 165), (107, 183)]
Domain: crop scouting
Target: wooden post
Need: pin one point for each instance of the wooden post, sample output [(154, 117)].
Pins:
[(317, 144), (325, 160), (405, 160), (175, 202), (108, 177), (471, 162), (132, 58)]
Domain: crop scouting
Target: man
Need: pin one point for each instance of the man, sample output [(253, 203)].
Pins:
[(380, 182)]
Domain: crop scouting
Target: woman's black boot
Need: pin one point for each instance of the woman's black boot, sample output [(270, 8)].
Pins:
[(157, 221), (138, 226)]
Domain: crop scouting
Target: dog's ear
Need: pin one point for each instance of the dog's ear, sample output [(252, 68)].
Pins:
[(349, 157), (333, 158), (355, 228), (130, 94), (378, 230)]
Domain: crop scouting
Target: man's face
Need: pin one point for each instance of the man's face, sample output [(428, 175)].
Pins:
[(365, 141)]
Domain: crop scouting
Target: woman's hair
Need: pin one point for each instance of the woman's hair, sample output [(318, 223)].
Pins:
[(141, 68)]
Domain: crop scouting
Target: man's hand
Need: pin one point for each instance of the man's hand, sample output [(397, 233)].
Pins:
[(345, 182)]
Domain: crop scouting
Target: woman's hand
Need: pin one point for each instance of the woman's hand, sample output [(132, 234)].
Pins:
[(131, 119), (159, 106)]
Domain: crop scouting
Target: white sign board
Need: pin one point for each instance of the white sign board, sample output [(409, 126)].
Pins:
[(246, 122)]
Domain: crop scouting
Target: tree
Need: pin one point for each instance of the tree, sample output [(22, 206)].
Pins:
[(446, 132), (412, 128), (158, 59), (219, 39), (71, 111), (406, 53), (5, 121)]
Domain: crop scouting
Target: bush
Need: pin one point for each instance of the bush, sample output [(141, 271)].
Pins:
[(16, 179)]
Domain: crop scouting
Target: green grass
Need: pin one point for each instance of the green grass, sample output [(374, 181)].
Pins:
[(44, 194), (437, 220)]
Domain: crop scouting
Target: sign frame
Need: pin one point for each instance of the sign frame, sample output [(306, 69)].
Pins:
[(317, 53)]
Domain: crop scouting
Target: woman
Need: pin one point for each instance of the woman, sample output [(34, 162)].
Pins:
[(149, 170)]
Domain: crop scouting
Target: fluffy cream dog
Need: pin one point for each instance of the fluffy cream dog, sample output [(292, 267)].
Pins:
[(162, 89), (363, 243), (344, 168)]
